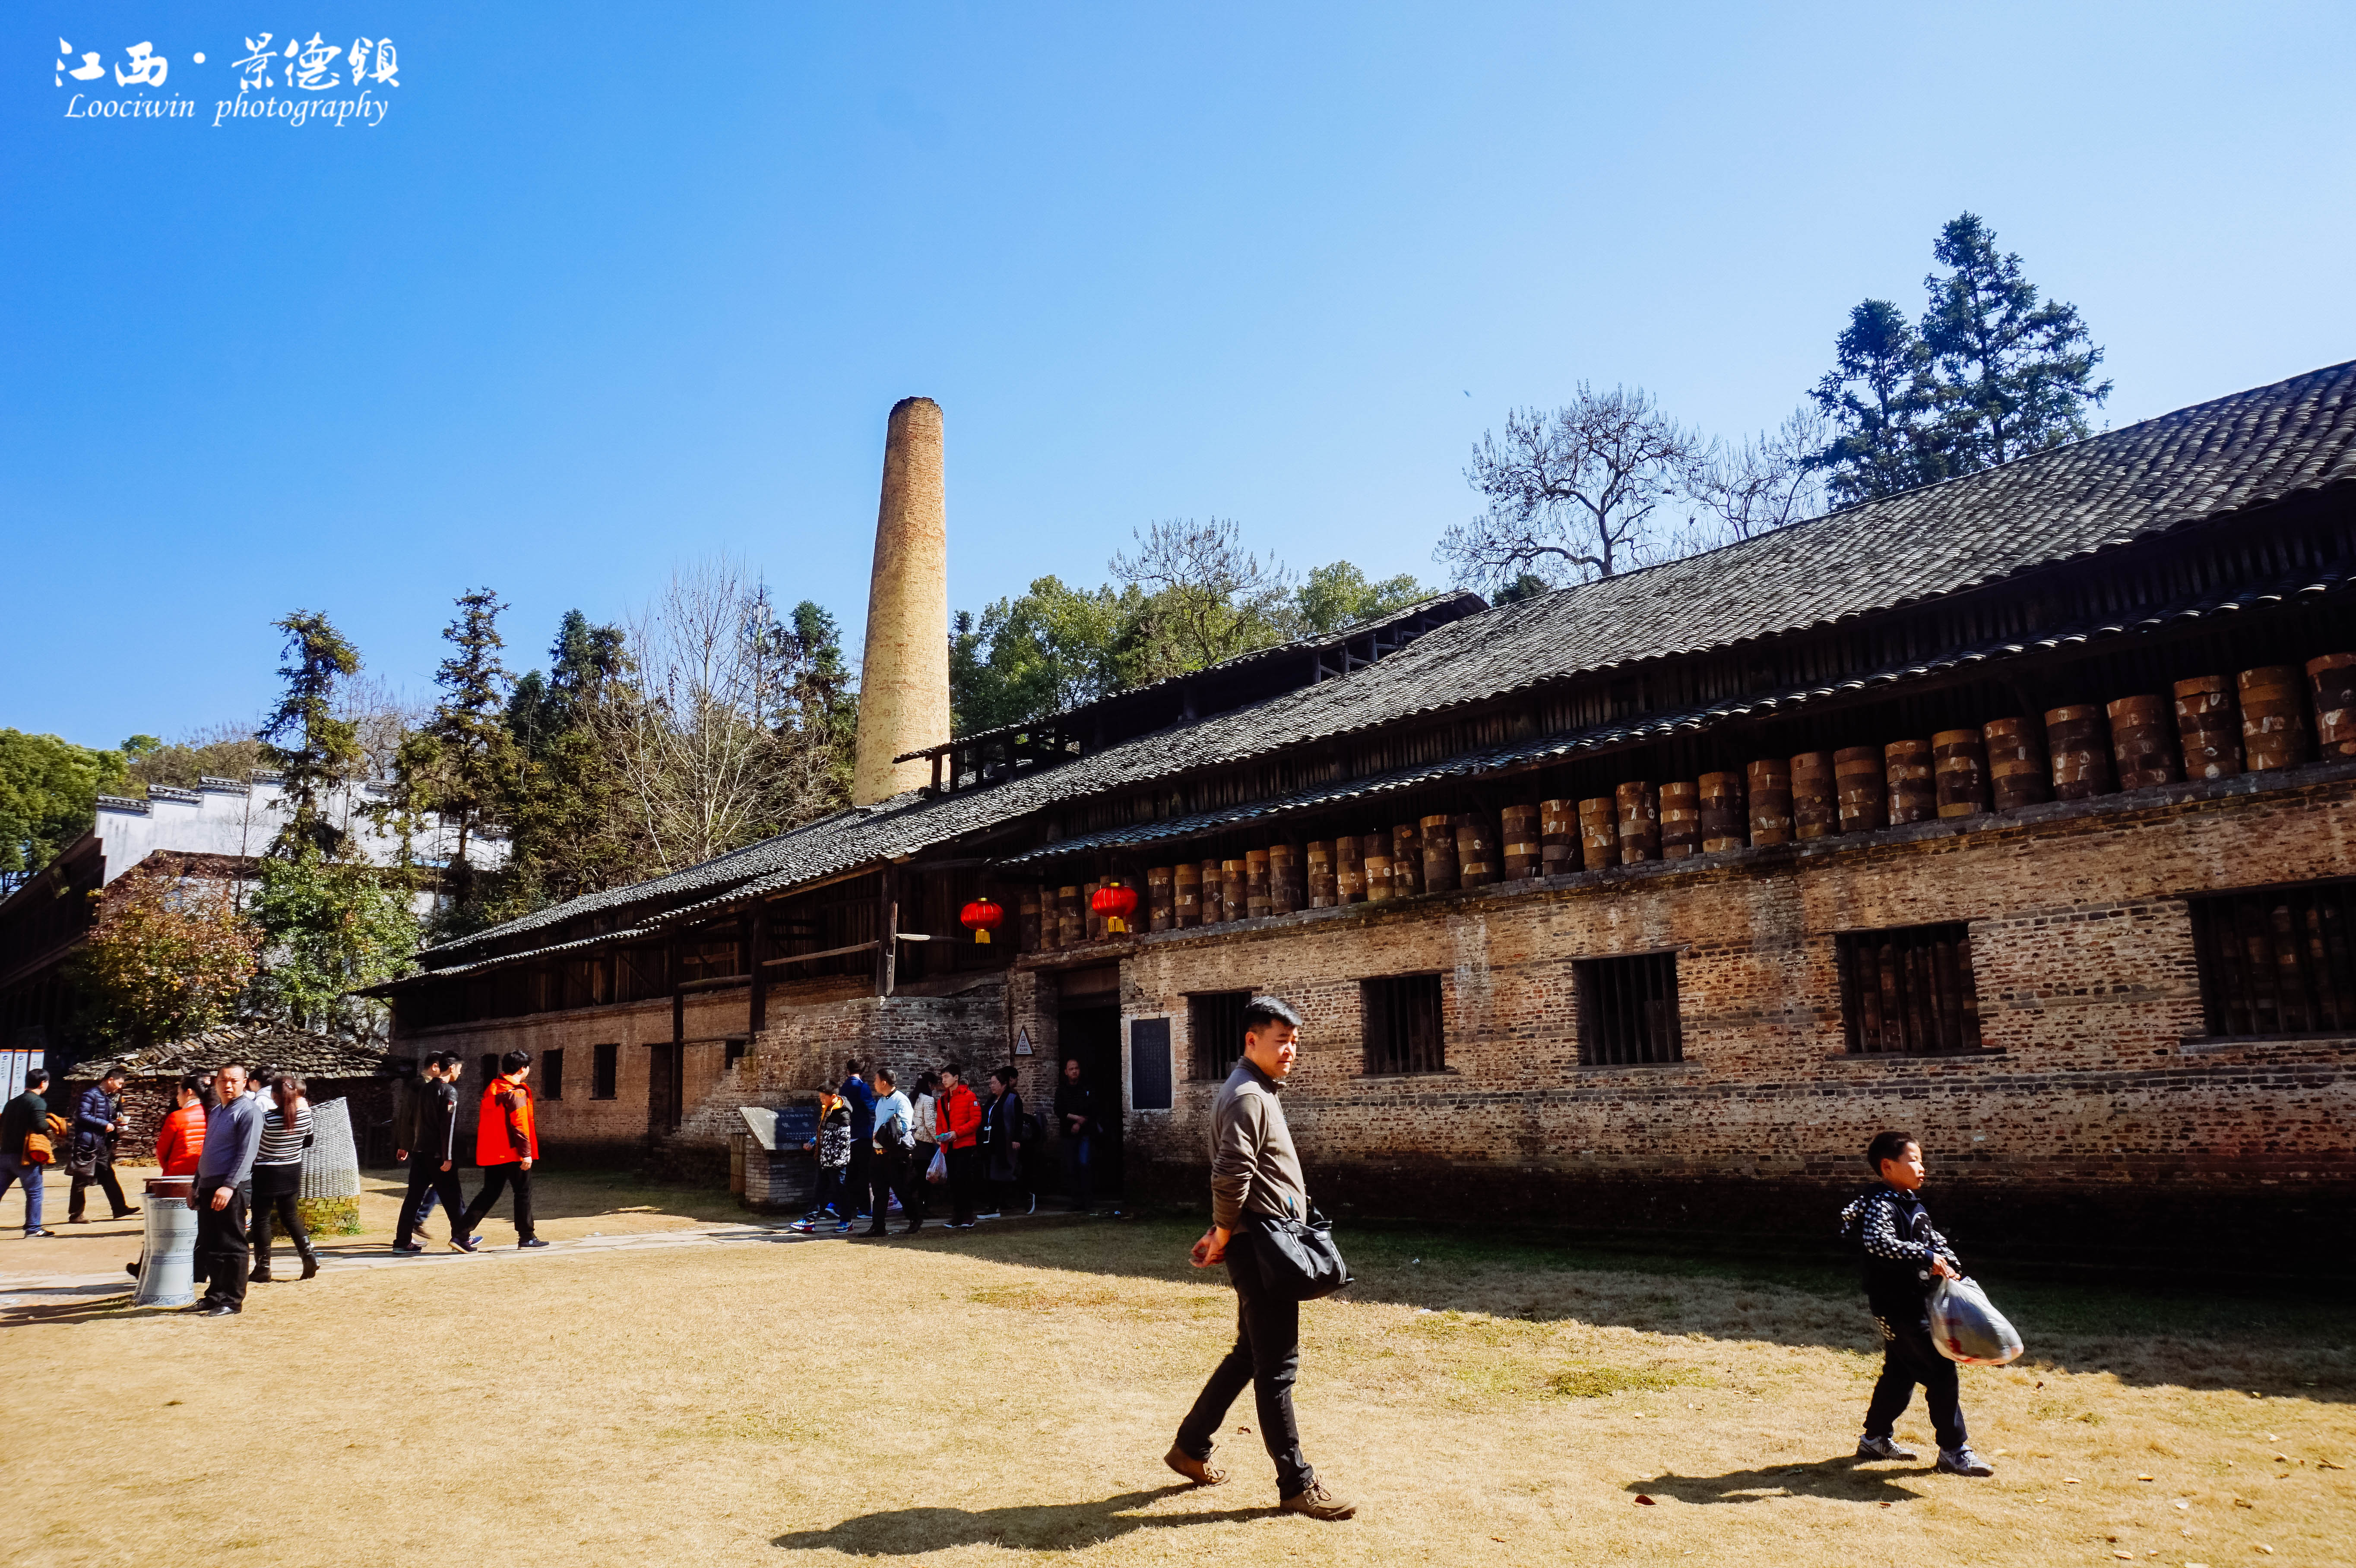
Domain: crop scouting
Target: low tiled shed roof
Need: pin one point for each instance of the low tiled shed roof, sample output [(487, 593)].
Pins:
[(254, 1045), (2104, 493)]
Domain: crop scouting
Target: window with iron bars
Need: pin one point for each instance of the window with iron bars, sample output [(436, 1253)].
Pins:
[(1214, 1032), (1628, 1011), (1401, 1019), (1909, 991), (2279, 960)]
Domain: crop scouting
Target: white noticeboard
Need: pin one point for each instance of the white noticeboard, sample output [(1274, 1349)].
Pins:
[(12, 1073), (1023, 1042)]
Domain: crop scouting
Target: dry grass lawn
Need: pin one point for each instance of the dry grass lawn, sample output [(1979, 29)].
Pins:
[(1005, 1396)]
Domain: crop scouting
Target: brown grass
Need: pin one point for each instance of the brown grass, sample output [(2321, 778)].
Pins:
[(1005, 1397)]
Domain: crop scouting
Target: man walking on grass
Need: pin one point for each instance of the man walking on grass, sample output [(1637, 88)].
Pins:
[(433, 1155), (506, 1143), (1256, 1176)]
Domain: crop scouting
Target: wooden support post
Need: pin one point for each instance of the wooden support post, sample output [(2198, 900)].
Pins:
[(887, 924), (756, 937)]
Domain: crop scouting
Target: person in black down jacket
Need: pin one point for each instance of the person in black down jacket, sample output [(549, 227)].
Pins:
[(1903, 1253), (98, 1122)]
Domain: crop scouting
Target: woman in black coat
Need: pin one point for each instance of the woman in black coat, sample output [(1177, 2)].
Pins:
[(1002, 1136)]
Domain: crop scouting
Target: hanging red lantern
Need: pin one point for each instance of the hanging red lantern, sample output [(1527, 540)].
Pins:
[(1116, 902), (982, 917)]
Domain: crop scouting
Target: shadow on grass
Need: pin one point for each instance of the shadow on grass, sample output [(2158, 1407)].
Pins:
[(1835, 1481), (2263, 1340), (1038, 1527)]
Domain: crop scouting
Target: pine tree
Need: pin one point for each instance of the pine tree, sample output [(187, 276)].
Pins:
[(462, 765), (1877, 396), (313, 751), (2014, 376), (569, 832)]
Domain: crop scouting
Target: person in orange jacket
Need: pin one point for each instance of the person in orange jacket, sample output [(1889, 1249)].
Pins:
[(959, 1117), (179, 1142), (506, 1143)]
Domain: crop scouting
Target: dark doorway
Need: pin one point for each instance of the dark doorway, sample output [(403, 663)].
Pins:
[(1092, 1034)]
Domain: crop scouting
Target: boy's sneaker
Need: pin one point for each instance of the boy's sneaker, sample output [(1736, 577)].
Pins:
[(1963, 1462), (993, 1215), (1882, 1448)]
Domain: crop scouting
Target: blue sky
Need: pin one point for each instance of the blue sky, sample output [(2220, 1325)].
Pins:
[(614, 287)]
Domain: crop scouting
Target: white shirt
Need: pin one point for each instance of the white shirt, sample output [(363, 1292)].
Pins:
[(922, 1118)]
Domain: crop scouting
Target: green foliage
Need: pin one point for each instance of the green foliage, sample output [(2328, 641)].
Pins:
[(463, 765), (1340, 596), (48, 799), (1990, 374), (2014, 376), (1052, 648), (164, 959), (568, 829), (328, 927), (221, 752), (1528, 585), (1193, 596), (311, 747)]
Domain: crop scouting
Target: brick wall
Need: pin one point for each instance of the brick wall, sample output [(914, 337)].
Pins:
[(2095, 1104)]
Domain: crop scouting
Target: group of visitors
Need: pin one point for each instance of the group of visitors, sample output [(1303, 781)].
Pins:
[(506, 1145), (243, 1146), (878, 1146)]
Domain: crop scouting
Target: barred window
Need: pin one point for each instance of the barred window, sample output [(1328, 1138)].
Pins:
[(1401, 1020), (1214, 1032), (1628, 1011), (552, 1074), (2278, 961), (1909, 991), (603, 1062)]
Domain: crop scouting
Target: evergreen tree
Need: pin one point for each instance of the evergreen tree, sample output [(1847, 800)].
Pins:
[(462, 765), (48, 797), (1879, 397), (2014, 376), (1340, 596), (313, 751), (568, 832)]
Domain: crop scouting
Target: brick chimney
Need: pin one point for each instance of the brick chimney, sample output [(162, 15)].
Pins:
[(904, 684)]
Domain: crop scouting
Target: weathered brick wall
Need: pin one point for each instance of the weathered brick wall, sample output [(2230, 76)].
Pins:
[(2095, 1102)]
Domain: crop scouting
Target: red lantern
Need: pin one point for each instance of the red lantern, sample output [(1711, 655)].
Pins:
[(1116, 902), (982, 918)]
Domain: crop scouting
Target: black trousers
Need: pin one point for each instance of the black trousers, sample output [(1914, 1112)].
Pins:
[(1267, 1355), (887, 1178), (965, 1183), (863, 1169), (915, 1192), (1079, 1159), (497, 1178), (223, 1256), (428, 1180), (104, 1176), (273, 1197), (1909, 1357)]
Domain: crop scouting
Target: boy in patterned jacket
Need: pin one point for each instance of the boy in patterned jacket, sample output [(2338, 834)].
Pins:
[(1902, 1254), (830, 1205)]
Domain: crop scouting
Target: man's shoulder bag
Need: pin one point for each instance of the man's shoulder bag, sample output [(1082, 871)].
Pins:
[(1297, 1257)]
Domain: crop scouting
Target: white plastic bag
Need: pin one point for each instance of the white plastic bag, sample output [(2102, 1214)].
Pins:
[(1966, 1326), (939, 1171)]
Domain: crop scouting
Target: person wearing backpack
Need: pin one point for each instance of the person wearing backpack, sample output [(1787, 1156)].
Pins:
[(1903, 1253), (27, 1116)]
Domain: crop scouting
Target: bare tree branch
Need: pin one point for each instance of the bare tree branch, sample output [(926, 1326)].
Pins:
[(1571, 493), (1211, 599), (1761, 485)]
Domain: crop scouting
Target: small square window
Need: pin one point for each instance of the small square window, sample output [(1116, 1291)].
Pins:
[(2279, 961), (603, 1062), (1909, 991), (552, 1074), (1214, 1032), (1628, 1011), (1401, 1020)]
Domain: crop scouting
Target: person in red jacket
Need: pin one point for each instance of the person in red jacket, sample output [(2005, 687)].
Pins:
[(179, 1142), (506, 1143), (959, 1125), (181, 1139)]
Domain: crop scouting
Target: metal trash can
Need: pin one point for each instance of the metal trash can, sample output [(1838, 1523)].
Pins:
[(167, 1275)]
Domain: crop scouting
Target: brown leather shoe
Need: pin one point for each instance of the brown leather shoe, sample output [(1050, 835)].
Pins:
[(1318, 1503), (1198, 1471)]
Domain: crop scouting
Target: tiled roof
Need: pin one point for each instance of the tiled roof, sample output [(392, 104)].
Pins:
[(2103, 493), (255, 1045)]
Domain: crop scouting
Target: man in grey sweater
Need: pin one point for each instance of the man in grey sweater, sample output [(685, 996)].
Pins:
[(1256, 1176), (224, 1187)]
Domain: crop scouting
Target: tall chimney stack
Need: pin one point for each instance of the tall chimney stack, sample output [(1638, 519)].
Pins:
[(904, 684)]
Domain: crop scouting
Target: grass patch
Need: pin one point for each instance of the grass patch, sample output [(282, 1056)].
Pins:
[(1602, 1382)]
